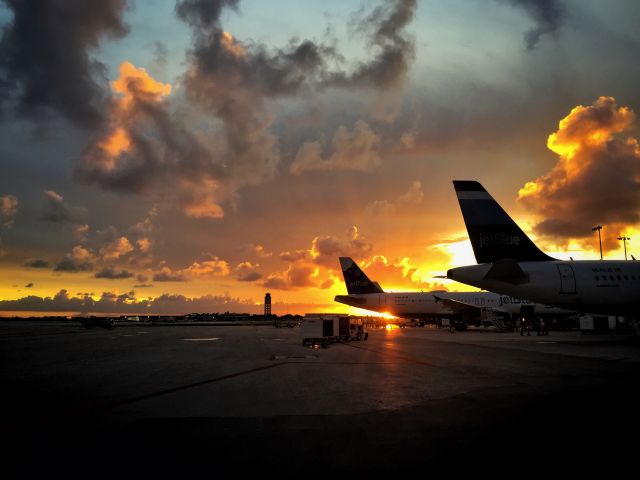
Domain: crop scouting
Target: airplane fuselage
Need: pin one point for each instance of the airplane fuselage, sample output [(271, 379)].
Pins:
[(426, 304), (609, 287)]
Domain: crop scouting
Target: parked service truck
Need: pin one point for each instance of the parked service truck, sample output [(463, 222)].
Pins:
[(323, 329)]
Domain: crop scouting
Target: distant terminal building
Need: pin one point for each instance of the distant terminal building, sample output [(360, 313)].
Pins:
[(267, 305)]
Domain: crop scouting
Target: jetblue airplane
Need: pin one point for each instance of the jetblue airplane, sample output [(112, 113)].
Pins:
[(366, 294), (510, 263)]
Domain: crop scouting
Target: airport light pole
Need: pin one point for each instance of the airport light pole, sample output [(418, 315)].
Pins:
[(624, 242), (598, 228)]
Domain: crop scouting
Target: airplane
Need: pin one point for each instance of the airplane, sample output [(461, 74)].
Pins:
[(510, 263), (366, 294)]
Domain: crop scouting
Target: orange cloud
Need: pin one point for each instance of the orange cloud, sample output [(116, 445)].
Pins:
[(298, 275), (397, 274), (231, 46), (247, 272), (200, 199), (116, 249), (213, 266), (596, 179), (326, 250), (135, 83)]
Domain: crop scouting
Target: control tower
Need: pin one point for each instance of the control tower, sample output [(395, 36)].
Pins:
[(267, 305)]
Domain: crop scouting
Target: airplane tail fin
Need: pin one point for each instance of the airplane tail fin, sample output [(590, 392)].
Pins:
[(355, 279), (494, 235)]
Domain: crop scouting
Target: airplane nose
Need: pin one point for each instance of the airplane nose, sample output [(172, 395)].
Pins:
[(450, 274)]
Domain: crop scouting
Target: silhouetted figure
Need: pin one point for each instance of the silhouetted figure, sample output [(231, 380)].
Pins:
[(524, 326)]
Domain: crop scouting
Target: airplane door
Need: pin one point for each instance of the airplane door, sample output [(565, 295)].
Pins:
[(567, 278)]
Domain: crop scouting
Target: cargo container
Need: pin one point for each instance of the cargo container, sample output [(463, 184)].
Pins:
[(323, 329)]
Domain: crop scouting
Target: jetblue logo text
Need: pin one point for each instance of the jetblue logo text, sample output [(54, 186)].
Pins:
[(498, 239), (504, 300)]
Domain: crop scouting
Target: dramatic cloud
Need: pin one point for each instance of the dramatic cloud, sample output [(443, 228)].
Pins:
[(547, 14), (304, 268), (413, 196), (116, 249), (45, 64), (8, 209), (144, 244), (145, 148), (326, 250), (167, 275), (59, 211), (295, 256), (207, 266), (203, 13), (145, 226), (247, 272), (210, 266), (112, 274), (394, 49), (35, 263), (596, 179), (355, 150), (79, 260), (298, 275)]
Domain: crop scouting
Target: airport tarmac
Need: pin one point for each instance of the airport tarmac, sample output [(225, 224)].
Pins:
[(251, 399)]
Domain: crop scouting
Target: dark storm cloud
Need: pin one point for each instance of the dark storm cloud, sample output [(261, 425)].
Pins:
[(45, 63), (203, 13), (394, 48), (79, 260), (235, 80), (109, 302), (252, 68), (111, 274), (146, 147), (246, 272), (35, 263), (547, 14), (167, 275), (59, 211), (68, 264)]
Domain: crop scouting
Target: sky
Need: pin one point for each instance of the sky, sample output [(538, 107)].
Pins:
[(173, 157)]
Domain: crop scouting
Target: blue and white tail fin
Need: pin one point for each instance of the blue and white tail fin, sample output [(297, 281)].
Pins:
[(355, 279), (494, 235)]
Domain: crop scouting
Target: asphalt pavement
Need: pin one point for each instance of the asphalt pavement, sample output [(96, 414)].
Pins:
[(233, 400)]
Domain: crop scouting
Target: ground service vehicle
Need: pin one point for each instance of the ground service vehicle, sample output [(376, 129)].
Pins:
[(324, 329)]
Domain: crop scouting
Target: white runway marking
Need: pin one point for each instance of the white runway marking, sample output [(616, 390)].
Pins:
[(211, 339)]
